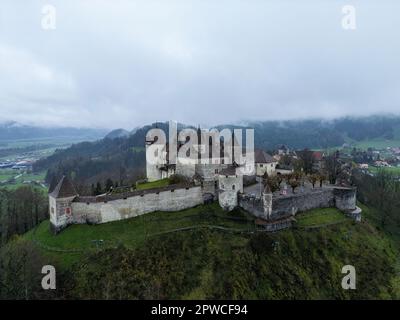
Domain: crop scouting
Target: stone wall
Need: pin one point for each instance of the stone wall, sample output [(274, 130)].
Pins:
[(322, 198), (229, 187), (210, 186), (59, 218), (342, 198), (254, 205), (345, 199), (152, 172), (168, 200), (185, 169)]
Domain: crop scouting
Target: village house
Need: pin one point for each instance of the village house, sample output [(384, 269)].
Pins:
[(264, 163)]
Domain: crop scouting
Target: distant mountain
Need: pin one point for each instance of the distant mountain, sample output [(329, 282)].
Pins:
[(15, 131), (117, 133)]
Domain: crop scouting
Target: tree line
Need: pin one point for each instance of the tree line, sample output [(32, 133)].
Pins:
[(21, 210), (381, 191)]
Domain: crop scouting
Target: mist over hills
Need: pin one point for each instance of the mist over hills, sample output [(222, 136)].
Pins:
[(12, 130)]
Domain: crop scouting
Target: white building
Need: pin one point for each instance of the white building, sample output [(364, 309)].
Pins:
[(264, 163)]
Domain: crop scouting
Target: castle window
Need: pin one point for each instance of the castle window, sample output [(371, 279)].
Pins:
[(216, 170), (67, 210), (233, 187), (261, 165), (210, 147)]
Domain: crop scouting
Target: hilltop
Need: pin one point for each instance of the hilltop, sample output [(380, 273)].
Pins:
[(205, 252)]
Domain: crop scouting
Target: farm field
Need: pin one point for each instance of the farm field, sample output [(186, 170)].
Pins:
[(394, 170), (12, 179)]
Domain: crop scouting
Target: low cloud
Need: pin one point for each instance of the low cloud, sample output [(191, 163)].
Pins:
[(127, 63)]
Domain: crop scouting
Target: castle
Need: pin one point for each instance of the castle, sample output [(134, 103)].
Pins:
[(219, 178)]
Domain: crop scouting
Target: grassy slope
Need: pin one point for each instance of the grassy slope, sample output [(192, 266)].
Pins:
[(380, 143), (154, 184), (298, 254), (320, 217), (132, 232)]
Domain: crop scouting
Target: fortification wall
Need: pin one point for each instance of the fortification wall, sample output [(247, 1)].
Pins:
[(59, 217), (169, 200), (254, 205), (345, 199), (210, 187), (342, 198), (209, 171), (229, 186), (185, 169), (228, 200), (283, 205)]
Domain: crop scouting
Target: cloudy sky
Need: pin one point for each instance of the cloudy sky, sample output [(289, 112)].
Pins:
[(128, 63)]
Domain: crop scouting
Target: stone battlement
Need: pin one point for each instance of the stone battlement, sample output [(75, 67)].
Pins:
[(70, 208), (276, 210), (280, 205)]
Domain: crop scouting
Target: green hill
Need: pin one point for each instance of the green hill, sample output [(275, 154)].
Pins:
[(205, 252)]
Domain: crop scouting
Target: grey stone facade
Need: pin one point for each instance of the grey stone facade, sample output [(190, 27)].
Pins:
[(229, 188), (275, 207), (95, 210)]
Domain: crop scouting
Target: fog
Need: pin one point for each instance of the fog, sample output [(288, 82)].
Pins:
[(128, 63)]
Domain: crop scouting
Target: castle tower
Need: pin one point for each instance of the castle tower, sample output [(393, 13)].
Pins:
[(230, 184), (267, 201), (60, 204), (153, 171)]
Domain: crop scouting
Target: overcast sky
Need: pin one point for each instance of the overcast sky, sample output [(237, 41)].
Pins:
[(128, 63)]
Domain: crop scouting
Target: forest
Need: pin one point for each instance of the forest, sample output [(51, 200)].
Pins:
[(21, 210)]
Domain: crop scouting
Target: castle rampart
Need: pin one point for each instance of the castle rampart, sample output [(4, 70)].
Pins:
[(109, 209), (342, 198), (72, 209)]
